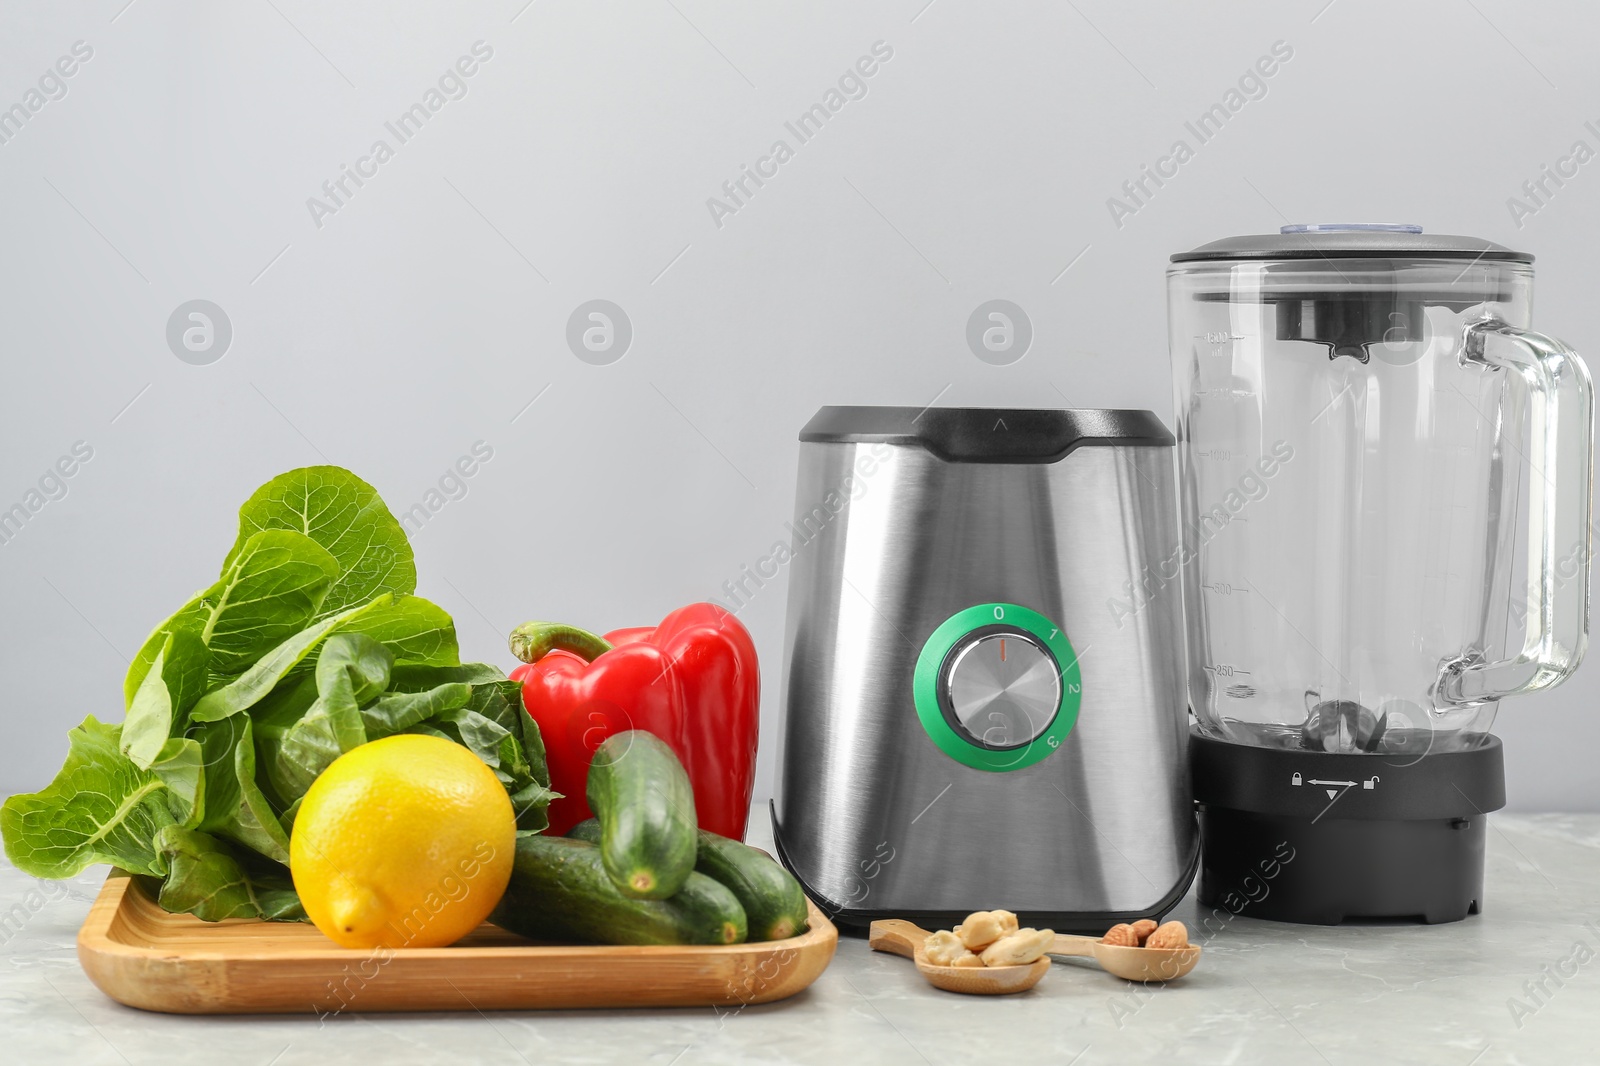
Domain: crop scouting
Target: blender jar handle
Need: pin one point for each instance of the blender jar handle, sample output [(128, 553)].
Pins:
[(1560, 454)]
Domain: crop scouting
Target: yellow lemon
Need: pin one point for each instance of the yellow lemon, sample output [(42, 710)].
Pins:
[(403, 842)]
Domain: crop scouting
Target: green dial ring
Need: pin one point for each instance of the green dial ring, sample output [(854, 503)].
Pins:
[(947, 637)]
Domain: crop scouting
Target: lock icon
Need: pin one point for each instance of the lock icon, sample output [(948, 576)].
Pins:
[(1371, 782), (1295, 780)]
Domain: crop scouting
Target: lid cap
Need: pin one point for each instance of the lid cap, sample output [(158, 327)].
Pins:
[(1352, 240)]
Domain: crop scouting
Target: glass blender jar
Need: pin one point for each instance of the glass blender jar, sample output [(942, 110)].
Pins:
[(1385, 484)]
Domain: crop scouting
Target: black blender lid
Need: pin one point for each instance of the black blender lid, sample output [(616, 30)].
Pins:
[(987, 434), (1353, 240)]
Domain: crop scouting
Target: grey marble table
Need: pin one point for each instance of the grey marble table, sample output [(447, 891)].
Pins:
[(1459, 994)]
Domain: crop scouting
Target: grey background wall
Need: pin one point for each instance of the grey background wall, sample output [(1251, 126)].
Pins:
[(427, 309)]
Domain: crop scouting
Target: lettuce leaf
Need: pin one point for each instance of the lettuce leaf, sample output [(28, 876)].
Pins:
[(100, 808), (252, 686), (175, 681), (298, 742), (344, 515), (179, 765), (270, 589), (208, 879), (235, 805), (494, 727), (400, 711), (352, 669), (416, 631)]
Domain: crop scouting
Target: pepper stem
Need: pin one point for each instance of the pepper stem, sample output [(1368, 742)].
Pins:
[(532, 641)]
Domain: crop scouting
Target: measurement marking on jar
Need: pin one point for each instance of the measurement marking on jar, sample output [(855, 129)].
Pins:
[(1223, 588), (1217, 454), (1231, 394), (1217, 338), (1224, 670)]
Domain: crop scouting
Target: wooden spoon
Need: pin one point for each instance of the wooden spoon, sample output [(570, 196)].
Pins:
[(1130, 964), (905, 938)]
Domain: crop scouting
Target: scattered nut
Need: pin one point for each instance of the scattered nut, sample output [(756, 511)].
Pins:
[(1143, 928), (996, 931), (1019, 948), (944, 948), (1121, 936), (1169, 935), (983, 928)]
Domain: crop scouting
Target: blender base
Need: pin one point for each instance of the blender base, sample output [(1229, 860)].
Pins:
[(1341, 870), (1319, 839)]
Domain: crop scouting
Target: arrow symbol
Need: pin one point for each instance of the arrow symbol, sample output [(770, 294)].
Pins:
[(1332, 792), (1000, 424)]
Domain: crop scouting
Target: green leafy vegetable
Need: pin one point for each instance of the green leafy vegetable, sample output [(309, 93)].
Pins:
[(351, 708), (352, 669), (413, 629), (412, 677), (347, 517), (309, 644), (205, 878), (176, 679), (179, 766), (100, 808), (217, 742), (190, 617), (403, 710), (255, 683), (520, 764), (255, 823), (236, 807), (270, 590)]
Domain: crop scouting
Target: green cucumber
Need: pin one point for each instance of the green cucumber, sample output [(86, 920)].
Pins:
[(640, 794), (774, 905), (560, 891)]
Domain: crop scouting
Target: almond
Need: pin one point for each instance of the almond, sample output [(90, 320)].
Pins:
[(1121, 936), (1169, 935)]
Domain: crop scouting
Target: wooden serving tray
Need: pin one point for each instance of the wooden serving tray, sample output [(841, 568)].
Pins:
[(141, 955)]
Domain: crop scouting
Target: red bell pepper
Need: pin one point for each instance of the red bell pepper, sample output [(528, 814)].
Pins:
[(692, 681)]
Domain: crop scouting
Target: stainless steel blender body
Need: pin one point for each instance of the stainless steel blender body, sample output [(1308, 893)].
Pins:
[(983, 668)]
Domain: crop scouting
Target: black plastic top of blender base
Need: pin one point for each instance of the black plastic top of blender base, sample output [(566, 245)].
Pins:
[(1321, 785), (988, 434), (1352, 244)]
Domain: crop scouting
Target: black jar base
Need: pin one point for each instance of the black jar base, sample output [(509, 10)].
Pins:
[(1332, 871), (1321, 839)]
